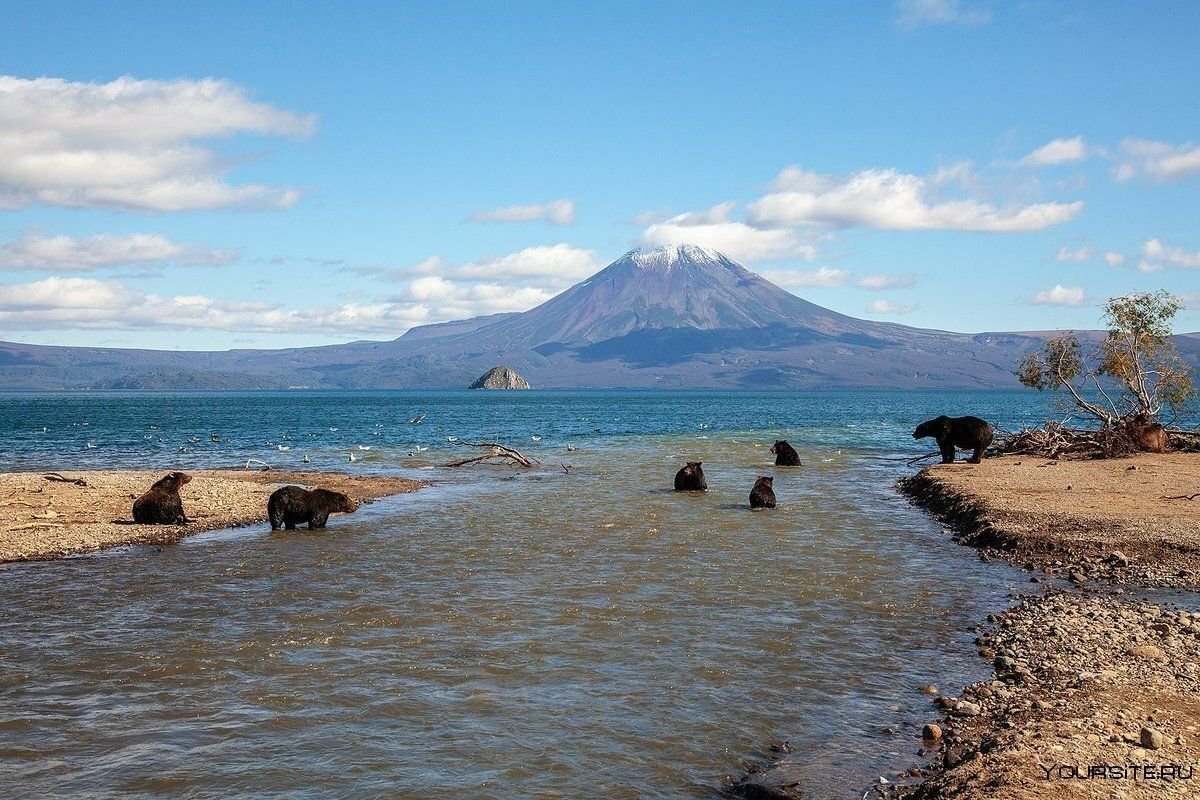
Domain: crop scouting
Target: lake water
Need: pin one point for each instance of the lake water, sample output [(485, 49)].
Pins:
[(504, 633)]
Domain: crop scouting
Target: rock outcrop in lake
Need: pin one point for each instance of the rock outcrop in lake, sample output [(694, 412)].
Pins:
[(500, 377)]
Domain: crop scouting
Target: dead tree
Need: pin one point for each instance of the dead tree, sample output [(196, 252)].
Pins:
[(496, 454)]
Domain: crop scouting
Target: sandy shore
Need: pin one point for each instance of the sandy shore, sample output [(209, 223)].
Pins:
[(49, 519), (1092, 695), (1098, 519)]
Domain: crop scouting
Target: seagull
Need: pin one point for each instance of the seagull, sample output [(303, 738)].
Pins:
[(364, 447), (352, 458), (283, 447), (421, 449), (182, 449), (416, 420), (306, 458), (536, 438), (193, 439), (571, 448), (333, 429), (215, 438), (451, 438), (91, 446)]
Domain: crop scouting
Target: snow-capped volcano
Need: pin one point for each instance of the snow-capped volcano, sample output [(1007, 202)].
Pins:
[(671, 287)]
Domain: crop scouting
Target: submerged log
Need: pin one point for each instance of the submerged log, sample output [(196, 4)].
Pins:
[(497, 453)]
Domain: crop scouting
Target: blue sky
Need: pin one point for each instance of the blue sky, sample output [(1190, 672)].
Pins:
[(233, 175)]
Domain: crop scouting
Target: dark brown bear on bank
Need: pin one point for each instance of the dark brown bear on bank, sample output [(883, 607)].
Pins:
[(691, 478), (161, 504), (292, 505), (1148, 436), (763, 493), (785, 454), (968, 433)]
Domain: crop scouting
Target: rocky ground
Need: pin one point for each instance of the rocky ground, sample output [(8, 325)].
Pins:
[(46, 519)]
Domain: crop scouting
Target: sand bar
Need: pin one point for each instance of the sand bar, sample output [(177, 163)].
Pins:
[(50, 519)]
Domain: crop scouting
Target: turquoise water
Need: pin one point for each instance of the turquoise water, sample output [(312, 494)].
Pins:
[(503, 633)]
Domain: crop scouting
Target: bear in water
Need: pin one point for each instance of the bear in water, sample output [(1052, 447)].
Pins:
[(763, 495), (691, 478), (785, 454), (969, 433), (292, 504), (161, 504)]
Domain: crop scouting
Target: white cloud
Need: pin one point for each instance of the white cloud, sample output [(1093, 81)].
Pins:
[(882, 282), (1077, 256), (1114, 259), (892, 200), (715, 228), (458, 300), (916, 13), (132, 144), (1157, 256), (796, 279), (1058, 151), (1059, 296), (888, 307), (556, 212), (1159, 161), (67, 254)]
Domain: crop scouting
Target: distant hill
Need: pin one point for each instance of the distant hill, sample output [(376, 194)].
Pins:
[(675, 317)]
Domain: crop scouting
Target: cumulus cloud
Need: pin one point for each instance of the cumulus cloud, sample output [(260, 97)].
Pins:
[(1058, 151), (68, 254), (1157, 256), (912, 14), (717, 229), (799, 279), (888, 307), (1077, 256), (892, 200), (1114, 259), (882, 282), (1161, 162), (1060, 296), (556, 212), (133, 144)]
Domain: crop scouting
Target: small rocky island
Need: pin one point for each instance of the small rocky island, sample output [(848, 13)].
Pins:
[(500, 377)]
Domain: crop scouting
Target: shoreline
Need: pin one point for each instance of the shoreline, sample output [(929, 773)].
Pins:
[(1091, 694), (47, 520)]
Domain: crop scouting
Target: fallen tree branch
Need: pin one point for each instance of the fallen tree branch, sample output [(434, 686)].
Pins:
[(1180, 496), (918, 459), (496, 453), (54, 476)]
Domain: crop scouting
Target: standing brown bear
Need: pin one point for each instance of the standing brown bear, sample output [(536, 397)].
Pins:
[(691, 478), (161, 504), (785, 454), (292, 504), (763, 493), (969, 433)]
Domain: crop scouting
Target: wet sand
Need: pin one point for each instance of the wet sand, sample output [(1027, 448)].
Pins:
[(46, 519), (1092, 695)]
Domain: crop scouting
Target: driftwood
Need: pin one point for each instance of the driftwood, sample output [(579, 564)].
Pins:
[(1180, 496), (497, 454), (1055, 440), (54, 476), (918, 459)]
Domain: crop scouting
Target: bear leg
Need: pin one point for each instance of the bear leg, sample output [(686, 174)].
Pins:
[(947, 448), (976, 457)]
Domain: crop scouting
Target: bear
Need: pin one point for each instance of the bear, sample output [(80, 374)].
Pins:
[(293, 504), (785, 454), (161, 505), (763, 495), (691, 478), (969, 433), (1148, 436)]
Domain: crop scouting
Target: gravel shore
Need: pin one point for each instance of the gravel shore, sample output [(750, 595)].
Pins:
[(47, 519)]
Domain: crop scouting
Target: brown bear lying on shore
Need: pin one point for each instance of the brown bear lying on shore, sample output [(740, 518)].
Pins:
[(1150, 437), (763, 493), (292, 504), (785, 454), (968, 433), (691, 478), (161, 504)]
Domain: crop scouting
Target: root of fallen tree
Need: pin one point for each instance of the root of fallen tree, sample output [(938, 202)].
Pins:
[(496, 454), (1057, 441)]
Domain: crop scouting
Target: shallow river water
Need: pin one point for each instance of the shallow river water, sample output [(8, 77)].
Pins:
[(503, 633)]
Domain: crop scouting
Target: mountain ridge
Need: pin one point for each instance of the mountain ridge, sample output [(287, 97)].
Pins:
[(680, 316)]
